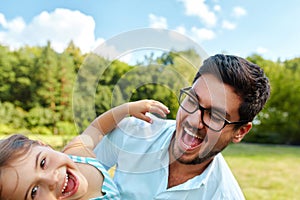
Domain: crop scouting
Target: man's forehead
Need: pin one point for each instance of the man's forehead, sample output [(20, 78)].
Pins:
[(214, 89), (212, 92)]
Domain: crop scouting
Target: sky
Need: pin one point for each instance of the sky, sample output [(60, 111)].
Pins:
[(241, 27)]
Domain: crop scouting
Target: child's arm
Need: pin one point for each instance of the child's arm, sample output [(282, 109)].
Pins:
[(107, 121)]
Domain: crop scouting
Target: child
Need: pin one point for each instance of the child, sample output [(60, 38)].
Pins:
[(32, 170)]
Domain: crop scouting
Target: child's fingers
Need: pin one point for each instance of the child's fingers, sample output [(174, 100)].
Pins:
[(144, 117), (159, 108), (162, 107), (140, 108)]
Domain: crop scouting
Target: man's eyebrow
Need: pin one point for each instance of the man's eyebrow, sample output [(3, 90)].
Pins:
[(220, 111), (37, 158), (216, 109)]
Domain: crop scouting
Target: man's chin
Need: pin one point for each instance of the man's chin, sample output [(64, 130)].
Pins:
[(182, 158), (195, 161)]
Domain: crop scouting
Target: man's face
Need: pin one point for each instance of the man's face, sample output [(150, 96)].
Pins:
[(194, 142)]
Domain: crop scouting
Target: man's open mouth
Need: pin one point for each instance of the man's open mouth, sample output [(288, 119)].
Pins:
[(190, 140)]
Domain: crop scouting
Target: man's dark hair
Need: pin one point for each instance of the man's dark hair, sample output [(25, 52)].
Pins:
[(247, 79)]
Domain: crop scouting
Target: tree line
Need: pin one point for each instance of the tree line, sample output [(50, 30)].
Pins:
[(45, 92)]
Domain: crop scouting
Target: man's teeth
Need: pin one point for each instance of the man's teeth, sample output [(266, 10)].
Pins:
[(66, 183), (192, 134)]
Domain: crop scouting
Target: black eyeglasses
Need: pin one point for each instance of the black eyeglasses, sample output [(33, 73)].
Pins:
[(211, 118)]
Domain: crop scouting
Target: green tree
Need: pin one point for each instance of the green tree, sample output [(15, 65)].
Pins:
[(279, 122), (85, 89), (66, 80), (22, 90), (76, 55), (7, 73), (46, 84), (12, 115)]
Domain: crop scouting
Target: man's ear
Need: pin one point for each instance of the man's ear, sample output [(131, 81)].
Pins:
[(241, 132)]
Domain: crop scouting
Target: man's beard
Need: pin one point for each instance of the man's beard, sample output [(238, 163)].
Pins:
[(197, 160)]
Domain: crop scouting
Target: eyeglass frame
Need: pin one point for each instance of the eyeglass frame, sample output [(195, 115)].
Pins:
[(202, 109)]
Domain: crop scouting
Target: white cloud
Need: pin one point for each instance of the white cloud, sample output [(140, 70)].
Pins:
[(97, 43), (200, 9), (179, 34), (107, 51), (3, 22), (112, 52), (17, 25), (201, 34), (60, 27), (239, 11), (261, 50), (217, 8), (181, 30), (127, 58), (158, 22), (228, 25)]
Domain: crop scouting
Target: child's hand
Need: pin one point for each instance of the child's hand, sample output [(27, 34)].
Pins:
[(138, 109)]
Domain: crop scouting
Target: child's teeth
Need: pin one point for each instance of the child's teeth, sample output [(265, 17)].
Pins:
[(66, 183)]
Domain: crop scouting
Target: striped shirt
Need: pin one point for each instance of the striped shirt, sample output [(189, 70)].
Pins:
[(109, 188)]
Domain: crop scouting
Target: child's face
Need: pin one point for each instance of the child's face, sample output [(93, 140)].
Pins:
[(43, 173)]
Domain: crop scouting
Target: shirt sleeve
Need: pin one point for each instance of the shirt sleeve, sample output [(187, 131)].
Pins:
[(108, 150), (79, 146)]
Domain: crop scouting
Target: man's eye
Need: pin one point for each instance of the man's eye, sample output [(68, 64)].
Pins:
[(43, 163), (216, 117), (34, 192), (192, 101)]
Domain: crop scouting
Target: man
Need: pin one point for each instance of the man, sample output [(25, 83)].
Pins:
[(182, 159)]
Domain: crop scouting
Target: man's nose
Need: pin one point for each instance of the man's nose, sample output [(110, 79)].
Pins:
[(196, 119)]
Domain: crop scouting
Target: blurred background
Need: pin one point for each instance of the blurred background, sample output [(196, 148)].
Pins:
[(45, 44)]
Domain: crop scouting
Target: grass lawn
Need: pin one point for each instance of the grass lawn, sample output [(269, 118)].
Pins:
[(265, 172)]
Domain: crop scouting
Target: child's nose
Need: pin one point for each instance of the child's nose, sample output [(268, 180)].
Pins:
[(51, 179)]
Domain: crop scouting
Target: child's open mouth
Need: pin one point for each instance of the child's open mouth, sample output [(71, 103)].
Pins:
[(70, 185)]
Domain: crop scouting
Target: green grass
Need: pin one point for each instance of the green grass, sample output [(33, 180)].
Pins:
[(265, 172)]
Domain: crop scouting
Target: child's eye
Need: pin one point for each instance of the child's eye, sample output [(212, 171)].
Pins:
[(34, 192), (43, 163)]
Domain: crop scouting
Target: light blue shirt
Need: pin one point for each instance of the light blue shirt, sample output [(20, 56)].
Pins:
[(140, 152)]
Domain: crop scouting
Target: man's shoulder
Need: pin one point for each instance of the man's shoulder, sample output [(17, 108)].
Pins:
[(221, 177), (220, 168)]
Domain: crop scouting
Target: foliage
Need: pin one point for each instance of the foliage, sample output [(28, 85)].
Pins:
[(40, 116), (279, 122), (9, 114), (45, 91), (66, 128), (41, 130)]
